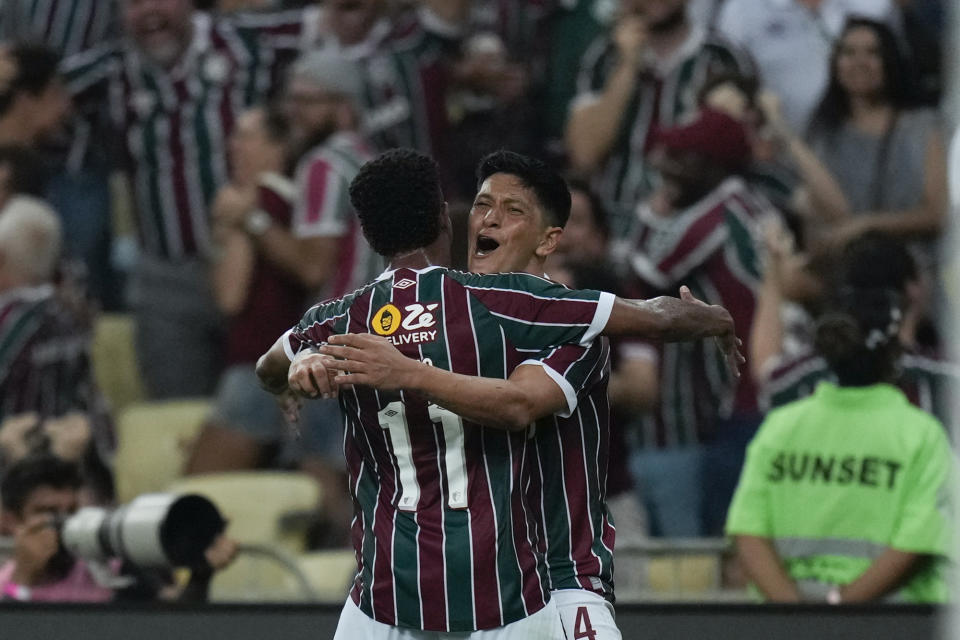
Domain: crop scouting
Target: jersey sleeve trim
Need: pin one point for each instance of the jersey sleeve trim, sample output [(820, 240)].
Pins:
[(600, 318), (568, 391), (287, 347)]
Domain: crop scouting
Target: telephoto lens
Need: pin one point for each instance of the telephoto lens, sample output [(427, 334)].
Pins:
[(155, 530)]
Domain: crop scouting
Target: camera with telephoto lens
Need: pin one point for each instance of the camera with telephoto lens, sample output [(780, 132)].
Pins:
[(156, 530)]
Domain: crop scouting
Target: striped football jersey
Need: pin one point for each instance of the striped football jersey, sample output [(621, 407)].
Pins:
[(442, 533), (567, 494)]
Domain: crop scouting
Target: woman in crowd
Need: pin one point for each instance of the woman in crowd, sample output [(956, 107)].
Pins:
[(845, 494), (888, 157)]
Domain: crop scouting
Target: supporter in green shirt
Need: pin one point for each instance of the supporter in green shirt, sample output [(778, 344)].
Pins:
[(846, 495)]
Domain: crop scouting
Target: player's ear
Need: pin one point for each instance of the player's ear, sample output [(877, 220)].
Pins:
[(549, 241)]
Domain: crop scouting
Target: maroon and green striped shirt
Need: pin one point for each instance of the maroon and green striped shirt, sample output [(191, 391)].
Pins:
[(710, 247), (173, 125), (567, 494), (443, 534)]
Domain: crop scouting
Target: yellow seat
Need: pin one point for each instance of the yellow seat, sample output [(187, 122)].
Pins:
[(254, 503), (114, 360), (684, 574), (330, 573), (153, 439)]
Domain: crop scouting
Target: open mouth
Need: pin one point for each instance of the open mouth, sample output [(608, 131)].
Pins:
[(485, 246)]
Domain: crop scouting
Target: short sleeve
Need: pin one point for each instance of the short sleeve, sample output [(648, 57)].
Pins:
[(323, 207), (536, 313), (924, 525), (749, 512), (574, 368), (315, 327)]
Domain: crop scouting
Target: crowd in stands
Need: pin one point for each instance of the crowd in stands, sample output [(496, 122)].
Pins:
[(188, 163)]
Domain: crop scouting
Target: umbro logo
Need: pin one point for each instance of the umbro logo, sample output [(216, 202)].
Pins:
[(406, 283)]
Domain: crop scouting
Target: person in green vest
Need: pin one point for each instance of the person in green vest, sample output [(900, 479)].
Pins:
[(846, 495)]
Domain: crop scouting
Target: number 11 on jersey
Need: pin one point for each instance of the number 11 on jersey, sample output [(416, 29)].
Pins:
[(393, 418)]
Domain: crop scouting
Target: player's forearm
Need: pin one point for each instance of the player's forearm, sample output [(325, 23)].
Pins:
[(667, 319), (487, 401), (273, 367), (886, 573), (765, 569)]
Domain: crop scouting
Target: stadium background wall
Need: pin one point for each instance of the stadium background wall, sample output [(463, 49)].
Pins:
[(299, 622)]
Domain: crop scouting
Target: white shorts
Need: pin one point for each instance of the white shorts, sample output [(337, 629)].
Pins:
[(585, 615), (356, 625)]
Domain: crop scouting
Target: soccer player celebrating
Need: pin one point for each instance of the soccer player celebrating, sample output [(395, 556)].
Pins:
[(517, 217), (442, 538)]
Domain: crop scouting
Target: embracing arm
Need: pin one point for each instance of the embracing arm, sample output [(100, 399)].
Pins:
[(511, 404), (273, 368)]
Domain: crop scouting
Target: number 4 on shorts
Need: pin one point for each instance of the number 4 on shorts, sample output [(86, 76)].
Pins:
[(582, 629)]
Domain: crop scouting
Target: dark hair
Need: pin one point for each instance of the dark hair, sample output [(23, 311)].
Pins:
[(858, 336), (37, 66), (598, 212), (834, 107), (877, 261), (398, 198), (33, 472), (547, 185)]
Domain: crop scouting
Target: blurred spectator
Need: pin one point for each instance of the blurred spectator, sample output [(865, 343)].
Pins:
[(847, 495), (579, 262), (66, 26), (261, 297), (889, 159), (489, 110), (645, 74), (38, 493), (699, 229), (175, 85), (791, 41), (784, 168), (571, 27), (49, 398), (327, 252), (873, 261)]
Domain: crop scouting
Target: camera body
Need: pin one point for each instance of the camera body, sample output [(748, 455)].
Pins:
[(155, 530)]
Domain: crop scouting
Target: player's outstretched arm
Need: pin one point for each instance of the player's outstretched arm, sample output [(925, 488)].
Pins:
[(273, 366), (670, 319), (512, 404)]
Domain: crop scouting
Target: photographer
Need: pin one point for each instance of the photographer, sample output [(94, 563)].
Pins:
[(40, 491)]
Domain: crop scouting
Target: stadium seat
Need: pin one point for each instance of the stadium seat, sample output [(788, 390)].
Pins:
[(152, 444), (114, 361), (330, 573), (254, 504)]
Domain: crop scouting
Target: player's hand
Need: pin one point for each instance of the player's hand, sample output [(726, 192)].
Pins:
[(34, 542), (370, 360), (727, 341), (311, 376)]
